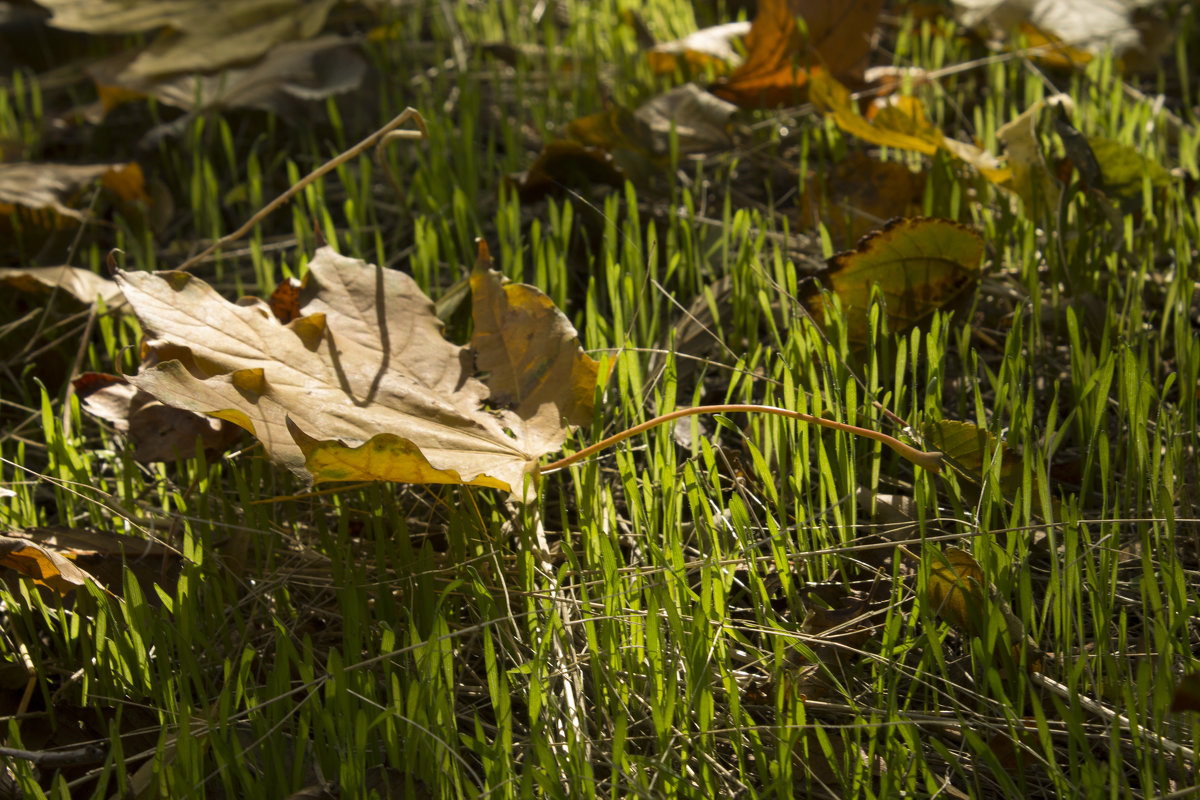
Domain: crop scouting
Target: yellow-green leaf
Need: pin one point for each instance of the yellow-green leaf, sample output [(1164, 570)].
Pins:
[(955, 588)]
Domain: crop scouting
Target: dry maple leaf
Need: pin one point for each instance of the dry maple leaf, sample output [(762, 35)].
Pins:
[(363, 386)]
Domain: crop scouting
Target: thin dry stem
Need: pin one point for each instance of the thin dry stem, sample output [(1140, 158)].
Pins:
[(375, 138)]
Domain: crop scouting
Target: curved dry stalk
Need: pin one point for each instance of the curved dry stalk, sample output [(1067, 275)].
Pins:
[(929, 460), (387, 133)]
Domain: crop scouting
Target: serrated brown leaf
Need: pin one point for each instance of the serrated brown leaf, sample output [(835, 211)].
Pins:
[(361, 386)]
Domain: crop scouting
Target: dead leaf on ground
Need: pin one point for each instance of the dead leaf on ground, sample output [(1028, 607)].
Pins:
[(157, 432), (859, 195), (1032, 179), (290, 75), (897, 121), (58, 187), (107, 555), (363, 386), (82, 284), (285, 300), (41, 564), (708, 48), (921, 265), (1187, 693), (609, 146), (193, 35), (779, 56), (955, 588)]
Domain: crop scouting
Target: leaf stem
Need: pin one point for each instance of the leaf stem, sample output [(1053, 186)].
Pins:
[(929, 460)]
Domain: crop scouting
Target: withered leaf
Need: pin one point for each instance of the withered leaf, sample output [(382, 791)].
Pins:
[(955, 588), (42, 565), (82, 284), (362, 386), (921, 265)]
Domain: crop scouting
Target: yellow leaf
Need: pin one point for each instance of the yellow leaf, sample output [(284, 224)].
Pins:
[(955, 588), (920, 265)]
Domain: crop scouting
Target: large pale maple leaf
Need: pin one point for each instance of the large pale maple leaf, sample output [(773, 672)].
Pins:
[(363, 385)]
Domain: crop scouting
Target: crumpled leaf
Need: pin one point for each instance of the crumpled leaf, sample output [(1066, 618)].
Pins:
[(955, 588), (778, 55), (1032, 179), (921, 266), (42, 565), (289, 75), (157, 431), (197, 35), (56, 186), (361, 386), (82, 284)]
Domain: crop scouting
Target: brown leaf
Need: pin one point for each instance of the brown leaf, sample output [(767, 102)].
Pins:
[(858, 195), (285, 300), (955, 588), (921, 266), (56, 187), (287, 76), (362, 386), (158, 432), (82, 284), (778, 56), (42, 565), (195, 35)]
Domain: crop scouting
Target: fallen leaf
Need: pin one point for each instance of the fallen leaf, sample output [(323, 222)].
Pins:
[(709, 48), (286, 77), (363, 386), (899, 121), (773, 73), (858, 195), (157, 431), (82, 284), (779, 56), (921, 265), (196, 35), (42, 565), (57, 187), (567, 166), (955, 588), (699, 120)]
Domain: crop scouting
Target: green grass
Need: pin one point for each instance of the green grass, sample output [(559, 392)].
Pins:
[(745, 616)]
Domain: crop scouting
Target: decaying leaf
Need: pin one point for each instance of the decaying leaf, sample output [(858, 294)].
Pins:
[(290, 74), (42, 565), (195, 35), (859, 195), (82, 284), (898, 122), (157, 431), (921, 265), (363, 386), (778, 55), (955, 588), (56, 187)]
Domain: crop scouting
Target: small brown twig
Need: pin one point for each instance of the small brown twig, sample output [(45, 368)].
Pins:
[(931, 460), (387, 131)]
